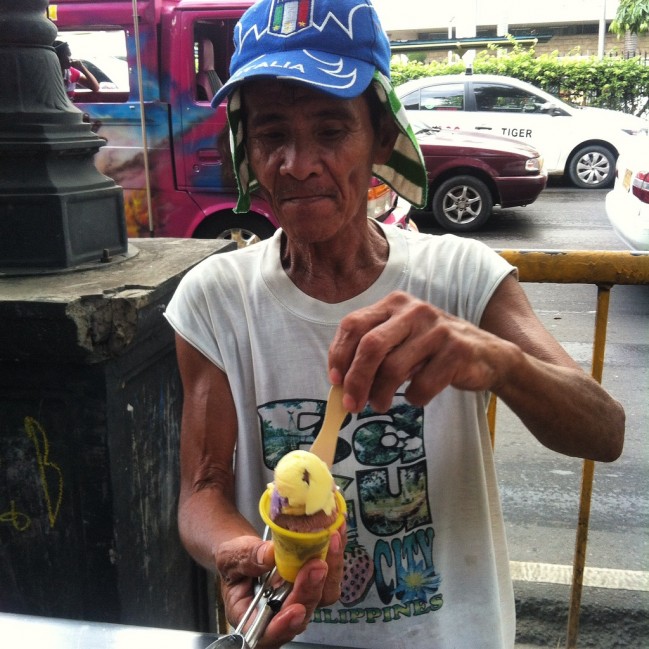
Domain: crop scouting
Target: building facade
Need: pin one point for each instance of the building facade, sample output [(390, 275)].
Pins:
[(569, 27)]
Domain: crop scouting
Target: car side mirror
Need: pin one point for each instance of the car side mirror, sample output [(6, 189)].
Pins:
[(552, 109)]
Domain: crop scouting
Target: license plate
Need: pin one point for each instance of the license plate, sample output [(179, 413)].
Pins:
[(627, 179)]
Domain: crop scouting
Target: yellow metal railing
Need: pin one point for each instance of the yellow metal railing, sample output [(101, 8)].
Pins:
[(603, 269)]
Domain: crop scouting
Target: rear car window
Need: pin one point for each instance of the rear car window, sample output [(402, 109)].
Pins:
[(448, 96)]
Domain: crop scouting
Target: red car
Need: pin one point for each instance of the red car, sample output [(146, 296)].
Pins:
[(469, 173)]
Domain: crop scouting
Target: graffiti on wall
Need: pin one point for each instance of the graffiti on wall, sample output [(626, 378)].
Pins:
[(50, 479)]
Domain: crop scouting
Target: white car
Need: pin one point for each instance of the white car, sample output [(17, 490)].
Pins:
[(582, 143), (627, 204)]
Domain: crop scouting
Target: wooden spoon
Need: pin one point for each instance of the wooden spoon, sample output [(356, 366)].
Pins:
[(324, 445)]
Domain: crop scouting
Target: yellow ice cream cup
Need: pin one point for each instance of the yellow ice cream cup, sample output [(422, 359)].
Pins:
[(294, 549)]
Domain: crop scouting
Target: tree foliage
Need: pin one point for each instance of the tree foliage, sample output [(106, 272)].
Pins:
[(632, 16), (612, 82)]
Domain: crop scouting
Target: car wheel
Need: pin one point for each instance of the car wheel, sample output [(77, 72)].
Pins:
[(244, 229), (462, 204), (592, 167)]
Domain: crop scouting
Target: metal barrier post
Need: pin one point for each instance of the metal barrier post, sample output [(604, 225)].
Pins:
[(491, 418), (588, 471)]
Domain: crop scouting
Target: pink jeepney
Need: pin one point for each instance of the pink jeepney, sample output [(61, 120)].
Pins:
[(161, 73)]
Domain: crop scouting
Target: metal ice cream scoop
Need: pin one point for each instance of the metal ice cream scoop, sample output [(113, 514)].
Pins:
[(265, 605)]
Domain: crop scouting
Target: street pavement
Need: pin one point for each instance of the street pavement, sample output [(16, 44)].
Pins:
[(610, 618)]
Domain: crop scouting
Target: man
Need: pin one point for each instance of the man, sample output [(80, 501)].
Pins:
[(417, 329), (74, 71)]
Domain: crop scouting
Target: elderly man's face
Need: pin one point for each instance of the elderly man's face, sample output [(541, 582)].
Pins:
[(312, 155)]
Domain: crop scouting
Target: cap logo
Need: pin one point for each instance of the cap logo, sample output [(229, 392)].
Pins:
[(290, 16), (260, 64)]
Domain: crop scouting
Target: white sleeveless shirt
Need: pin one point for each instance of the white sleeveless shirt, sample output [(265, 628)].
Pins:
[(426, 560)]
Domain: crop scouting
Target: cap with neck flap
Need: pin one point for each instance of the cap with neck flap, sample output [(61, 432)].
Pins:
[(334, 46)]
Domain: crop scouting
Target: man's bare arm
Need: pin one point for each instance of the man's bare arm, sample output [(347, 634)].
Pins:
[(404, 339), (564, 407)]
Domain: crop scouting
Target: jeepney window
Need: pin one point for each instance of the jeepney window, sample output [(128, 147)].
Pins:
[(103, 52), (212, 51)]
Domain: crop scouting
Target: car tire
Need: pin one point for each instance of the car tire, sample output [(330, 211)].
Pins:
[(462, 204), (244, 229), (592, 167)]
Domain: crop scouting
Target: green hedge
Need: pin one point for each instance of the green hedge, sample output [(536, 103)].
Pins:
[(616, 83)]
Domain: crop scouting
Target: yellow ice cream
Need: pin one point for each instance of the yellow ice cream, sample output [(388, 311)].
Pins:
[(302, 508), (304, 483)]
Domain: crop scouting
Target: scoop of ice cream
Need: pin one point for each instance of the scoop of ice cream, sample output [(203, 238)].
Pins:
[(303, 493), (314, 523)]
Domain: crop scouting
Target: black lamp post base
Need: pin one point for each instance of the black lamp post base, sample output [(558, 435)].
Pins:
[(56, 210), (60, 231)]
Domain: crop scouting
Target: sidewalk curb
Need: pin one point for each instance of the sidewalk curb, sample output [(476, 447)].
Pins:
[(609, 618)]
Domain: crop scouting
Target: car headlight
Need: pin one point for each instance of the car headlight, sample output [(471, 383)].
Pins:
[(534, 164), (380, 200)]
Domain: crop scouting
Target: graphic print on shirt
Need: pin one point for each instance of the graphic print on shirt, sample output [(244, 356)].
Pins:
[(389, 552)]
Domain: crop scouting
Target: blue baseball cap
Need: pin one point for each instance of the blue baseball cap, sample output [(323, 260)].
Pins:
[(334, 46)]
